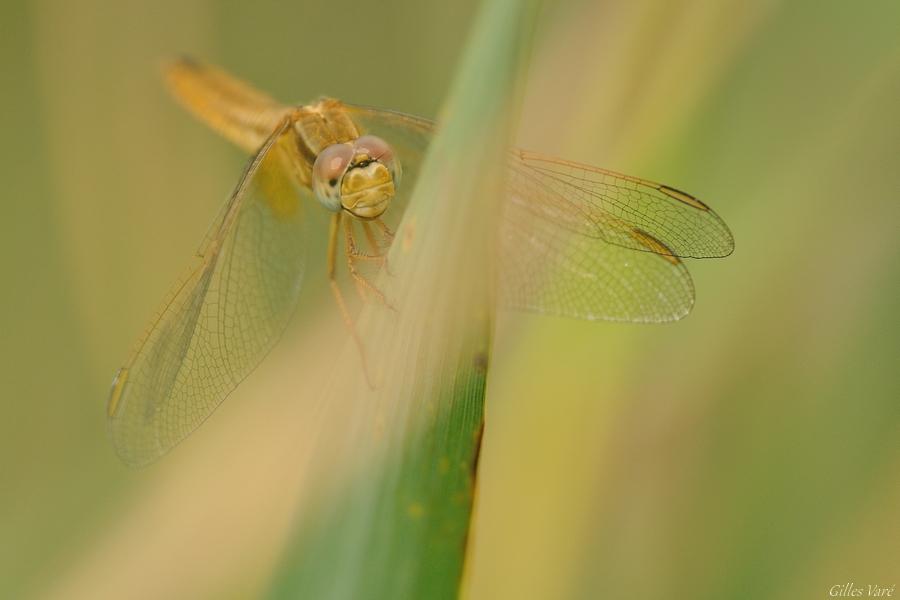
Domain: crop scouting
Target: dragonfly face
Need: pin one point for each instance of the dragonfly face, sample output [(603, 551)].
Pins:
[(360, 177)]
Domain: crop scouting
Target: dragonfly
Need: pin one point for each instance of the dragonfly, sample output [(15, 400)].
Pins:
[(575, 240)]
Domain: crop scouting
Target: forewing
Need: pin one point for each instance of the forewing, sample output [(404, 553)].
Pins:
[(394, 126), (610, 206), (222, 319)]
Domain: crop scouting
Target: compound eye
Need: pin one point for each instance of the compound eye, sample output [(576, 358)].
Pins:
[(377, 149), (329, 168), (331, 163)]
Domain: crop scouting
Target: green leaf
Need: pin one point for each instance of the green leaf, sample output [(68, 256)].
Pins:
[(391, 516)]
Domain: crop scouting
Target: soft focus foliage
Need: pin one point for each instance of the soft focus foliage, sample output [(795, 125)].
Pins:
[(748, 451), (389, 510)]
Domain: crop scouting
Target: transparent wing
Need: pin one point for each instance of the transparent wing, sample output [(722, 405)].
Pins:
[(548, 269), (610, 206), (397, 127), (586, 242), (222, 319)]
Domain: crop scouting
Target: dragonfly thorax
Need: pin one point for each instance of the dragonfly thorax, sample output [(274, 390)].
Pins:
[(360, 177)]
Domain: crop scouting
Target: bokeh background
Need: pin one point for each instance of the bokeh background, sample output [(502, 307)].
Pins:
[(749, 451)]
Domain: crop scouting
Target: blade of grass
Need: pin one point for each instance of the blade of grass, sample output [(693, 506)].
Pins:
[(391, 517)]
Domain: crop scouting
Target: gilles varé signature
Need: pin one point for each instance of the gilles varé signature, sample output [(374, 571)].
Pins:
[(851, 590)]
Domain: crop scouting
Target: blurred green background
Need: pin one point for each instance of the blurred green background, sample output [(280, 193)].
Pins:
[(749, 451)]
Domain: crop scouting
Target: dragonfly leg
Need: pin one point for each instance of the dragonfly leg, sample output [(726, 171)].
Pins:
[(370, 237), (378, 249), (363, 285), (333, 234), (377, 255), (388, 234)]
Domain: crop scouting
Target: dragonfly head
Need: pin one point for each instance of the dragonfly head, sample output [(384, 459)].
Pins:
[(360, 177)]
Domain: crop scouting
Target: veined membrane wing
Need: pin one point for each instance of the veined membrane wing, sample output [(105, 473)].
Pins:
[(222, 319), (546, 268), (619, 209)]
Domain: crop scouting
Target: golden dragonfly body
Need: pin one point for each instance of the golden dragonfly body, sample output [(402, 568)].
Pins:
[(576, 240)]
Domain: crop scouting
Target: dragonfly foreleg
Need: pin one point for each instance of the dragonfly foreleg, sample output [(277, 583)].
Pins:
[(376, 248), (333, 235), (388, 234), (363, 285), (379, 249), (378, 255)]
